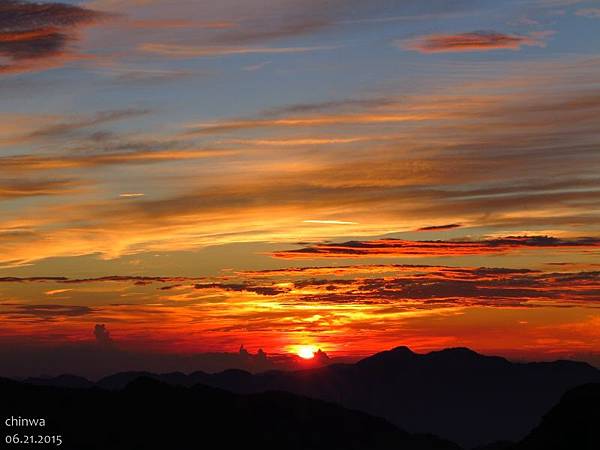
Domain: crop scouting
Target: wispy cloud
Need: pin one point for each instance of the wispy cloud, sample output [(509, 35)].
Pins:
[(464, 157), (37, 34), (453, 286), (131, 195), (135, 279), (301, 142), (331, 222), (314, 121), (191, 51), (589, 12), (349, 104), (14, 189), (45, 312), (398, 247), (23, 163), (330, 304), (56, 291), (475, 41), (171, 24), (480, 287), (68, 127), (255, 67), (449, 226)]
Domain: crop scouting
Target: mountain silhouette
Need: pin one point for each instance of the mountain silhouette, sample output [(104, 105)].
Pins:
[(71, 381), (149, 414), (457, 394), (573, 424)]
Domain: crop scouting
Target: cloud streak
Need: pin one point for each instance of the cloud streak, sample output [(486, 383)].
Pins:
[(589, 12), (190, 51), (69, 127), (399, 248), (45, 311), (15, 189), (432, 286), (23, 163), (277, 309), (475, 41), (33, 32), (450, 226), (468, 156)]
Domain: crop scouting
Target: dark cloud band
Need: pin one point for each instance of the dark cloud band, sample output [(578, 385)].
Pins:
[(33, 31), (399, 247)]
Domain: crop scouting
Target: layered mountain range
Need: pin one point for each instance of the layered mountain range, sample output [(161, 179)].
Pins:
[(457, 394)]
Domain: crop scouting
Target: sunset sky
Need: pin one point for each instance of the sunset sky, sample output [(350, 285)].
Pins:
[(195, 175)]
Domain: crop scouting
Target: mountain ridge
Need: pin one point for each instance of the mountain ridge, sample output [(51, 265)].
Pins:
[(149, 414), (455, 393)]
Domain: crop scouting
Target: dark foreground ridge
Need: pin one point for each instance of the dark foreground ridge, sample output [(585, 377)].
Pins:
[(572, 424), (458, 394), (149, 414)]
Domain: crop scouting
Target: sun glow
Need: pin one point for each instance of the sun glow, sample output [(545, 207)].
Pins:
[(306, 351)]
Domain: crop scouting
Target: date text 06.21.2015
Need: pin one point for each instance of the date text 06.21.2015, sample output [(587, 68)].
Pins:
[(33, 439)]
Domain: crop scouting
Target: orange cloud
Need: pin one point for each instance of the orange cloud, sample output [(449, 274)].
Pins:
[(398, 247), (316, 121), (472, 42), (13, 189), (334, 306), (190, 51), (138, 280), (401, 284), (54, 162), (433, 172)]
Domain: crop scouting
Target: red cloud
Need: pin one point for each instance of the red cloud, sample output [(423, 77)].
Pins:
[(472, 42), (401, 286)]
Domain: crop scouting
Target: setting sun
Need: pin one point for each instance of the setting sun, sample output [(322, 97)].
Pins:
[(306, 351)]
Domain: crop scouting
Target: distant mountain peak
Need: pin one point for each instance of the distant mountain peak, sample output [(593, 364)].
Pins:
[(457, 351), (403, 349), (395, 355), (144, 383), (465, 355), (65, 380)]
